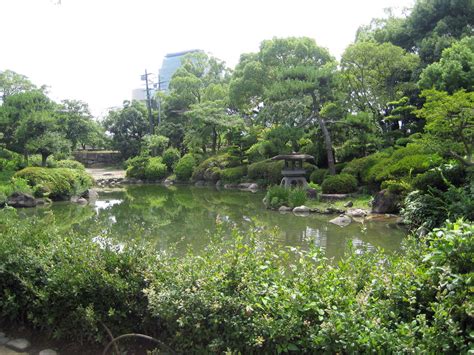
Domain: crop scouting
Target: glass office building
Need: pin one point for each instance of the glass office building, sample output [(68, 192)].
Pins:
[(171, 63)]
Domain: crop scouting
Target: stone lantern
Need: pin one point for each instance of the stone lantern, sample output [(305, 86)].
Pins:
[(294, 175)]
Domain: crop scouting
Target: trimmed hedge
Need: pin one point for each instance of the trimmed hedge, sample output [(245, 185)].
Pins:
[(318, 176), (70, 164), (339, 184), (146, 168), (266, 172), (56, 183), (184, 167), (234, 175)]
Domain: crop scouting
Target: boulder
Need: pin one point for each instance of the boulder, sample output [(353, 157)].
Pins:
[(253, 187), (285, 209), (349, 204), (356, 212), (79, 200), (385, 202), (312, 193), (341, 221), (19, 344), (91, 194), (301, 209), (20, 199)]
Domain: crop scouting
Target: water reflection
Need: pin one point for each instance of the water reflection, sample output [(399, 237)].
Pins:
[(178, 218)]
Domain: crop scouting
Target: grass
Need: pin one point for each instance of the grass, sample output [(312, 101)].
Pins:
[(359, 201)]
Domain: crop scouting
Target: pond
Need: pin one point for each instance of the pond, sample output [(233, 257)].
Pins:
[(180, 217)]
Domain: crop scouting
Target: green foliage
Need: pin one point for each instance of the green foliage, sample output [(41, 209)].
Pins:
[(440, 178), (184, 167), (339, 184), (318, 176), (170, 157), (397, 187), (155, 169), (70, 164), (360, 167), (135, 167), (58, 183), (277, 196), (297, 197), (154, 144), (266, 172), (427, 210), (234, 175), (211, 168), (10, 161), (13, 185)]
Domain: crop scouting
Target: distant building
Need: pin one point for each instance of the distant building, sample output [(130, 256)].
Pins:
[(171, 63)]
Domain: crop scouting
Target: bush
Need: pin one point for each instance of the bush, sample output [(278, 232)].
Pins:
[(318, 176), (155, 169), (297, 197), (35, 161), (360, 167), (266, 172), (10, 161), (234, 175), (440, 178), (170, 157), (184, 167), (397, 187), (136, 166), (210, 169), (241, 296), (70, 164), (276, 196), (59, 183), (339, 184)]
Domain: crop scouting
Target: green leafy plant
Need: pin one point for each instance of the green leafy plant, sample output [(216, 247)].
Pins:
[(184, 167), (339, 184), (297, 197)]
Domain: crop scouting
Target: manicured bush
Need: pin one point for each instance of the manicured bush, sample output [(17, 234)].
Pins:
[(276, 196), (318, 176), (136, 166), (211, 168), (266, 172), (297, 197), (70, 164), (234, 175), (184, 167), (339, 184), (170, 157), (155, 169), (398, 187), (56, 183), (10, 161), (440, 178)]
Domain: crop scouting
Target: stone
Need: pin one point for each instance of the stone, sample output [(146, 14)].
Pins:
[(341, 221), (219, 183), (349, 204), (6, 351), (356, 212), (3, 339), (48, 352), (301, 209), (333, 210), (91, 194), (385, 202), (333, 197), (20, 199), (312, 193), (81, 201), (285, 209), (18, 344), (200, 183), (253, 187)]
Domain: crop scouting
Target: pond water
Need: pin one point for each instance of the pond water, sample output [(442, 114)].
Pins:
[(180, 217)]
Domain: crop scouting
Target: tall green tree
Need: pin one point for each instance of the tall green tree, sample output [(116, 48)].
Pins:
[(13, 83), (454, 71), (128, 126), (450, 122)]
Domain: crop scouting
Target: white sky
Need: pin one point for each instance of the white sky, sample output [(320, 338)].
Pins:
[(95, 50)]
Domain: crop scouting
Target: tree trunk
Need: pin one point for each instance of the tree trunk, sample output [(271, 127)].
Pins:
[(44, 157), (328, 144)]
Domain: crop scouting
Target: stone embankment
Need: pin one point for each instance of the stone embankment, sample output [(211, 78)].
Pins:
[(21, 346)]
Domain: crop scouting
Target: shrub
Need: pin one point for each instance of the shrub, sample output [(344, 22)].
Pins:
[(297, 197), (155, 169), (277, 196), (35, 161), (360, 167), (70, 164), (170, 157), (266, 172), (398, 187), (318, 176), (234, 175), (61, 183), (339, 184), (440, 178), (184, 167), (10, 161), (210, 169), (136, 166)]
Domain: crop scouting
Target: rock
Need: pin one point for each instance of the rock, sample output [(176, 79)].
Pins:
[(349, 204), (168, 181), (48, 352), (333, 210), (231, 186), (82, 201), (7, 351), (285, 209), (385, 202), (332, 197), (253, 187), (219, 183), (19, 344), (341, 221), (312, 193), (356, 212), (20, 199), (301, 209), (139, 181), (91, 194), (3, 338), (244, 185), (200, 183)]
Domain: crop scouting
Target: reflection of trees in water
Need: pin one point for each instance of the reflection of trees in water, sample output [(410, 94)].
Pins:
[(185, 217)]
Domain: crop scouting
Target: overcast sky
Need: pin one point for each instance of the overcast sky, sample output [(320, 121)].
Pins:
[(95, 50)]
